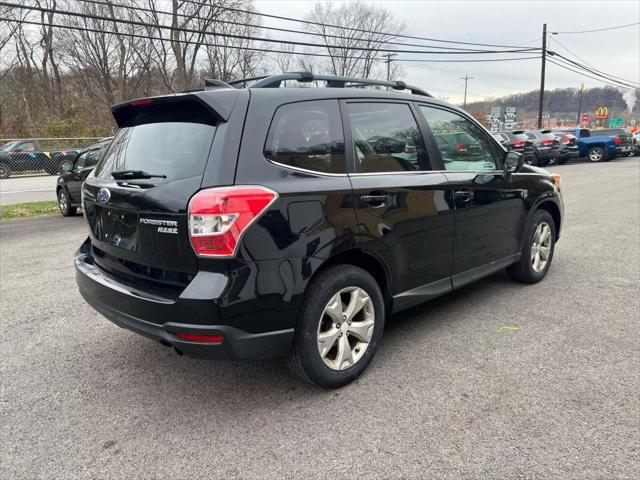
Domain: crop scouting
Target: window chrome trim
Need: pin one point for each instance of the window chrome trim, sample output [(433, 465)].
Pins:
[(304, 170)]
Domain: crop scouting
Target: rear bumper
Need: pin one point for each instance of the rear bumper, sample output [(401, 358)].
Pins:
[(133, 310)]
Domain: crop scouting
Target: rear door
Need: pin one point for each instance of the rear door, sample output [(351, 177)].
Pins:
[(138, 222), (489, 210), (404, 209)]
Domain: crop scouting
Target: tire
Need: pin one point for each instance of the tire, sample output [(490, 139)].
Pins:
[(524, 270), (64, 204), (5, 170), (339, 285), (563, 161), (596, 154)]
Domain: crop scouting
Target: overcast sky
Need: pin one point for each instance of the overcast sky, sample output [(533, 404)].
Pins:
[(506, 22)]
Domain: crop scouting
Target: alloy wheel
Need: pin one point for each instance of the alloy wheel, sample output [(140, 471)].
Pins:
[(541, 247), (595, 155), (62, 201), (345, 328)]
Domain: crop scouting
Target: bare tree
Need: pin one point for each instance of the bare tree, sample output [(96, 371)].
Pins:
[(369, 25), (232, 58)]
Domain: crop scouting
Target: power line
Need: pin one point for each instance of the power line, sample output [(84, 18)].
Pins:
[(263, 27), (598, 29), (593, 71), (585, 75), (422, 60), (149, 37), (311, 22), (248, 37), (588, 64)]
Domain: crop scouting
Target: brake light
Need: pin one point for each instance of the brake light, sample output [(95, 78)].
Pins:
[(547, 142), (518, 144), (461, 147), (409, 149), (196, 337), (219, 216), (141, 101), (617, 140)]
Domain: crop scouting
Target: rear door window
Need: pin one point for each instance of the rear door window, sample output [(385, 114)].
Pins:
[(307, 135), (178, 150), (386, 138)]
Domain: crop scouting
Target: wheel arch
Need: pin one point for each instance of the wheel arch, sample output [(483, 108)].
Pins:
[(553, 209), (368, 262)]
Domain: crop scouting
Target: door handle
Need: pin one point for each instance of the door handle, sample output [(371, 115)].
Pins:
[(464, 195), (375, 201)]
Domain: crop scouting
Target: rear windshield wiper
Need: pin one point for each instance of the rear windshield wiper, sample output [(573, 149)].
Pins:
[(131, 174)]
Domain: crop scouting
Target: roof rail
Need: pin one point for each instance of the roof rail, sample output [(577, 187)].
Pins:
[(333, 81)]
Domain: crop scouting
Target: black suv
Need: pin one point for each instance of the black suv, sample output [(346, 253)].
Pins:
[(251, 223), (74, 173)]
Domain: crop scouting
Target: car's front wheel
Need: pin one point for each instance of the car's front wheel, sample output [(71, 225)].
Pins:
[(596, 154), (340, 326), (64, 203), (537, 250)]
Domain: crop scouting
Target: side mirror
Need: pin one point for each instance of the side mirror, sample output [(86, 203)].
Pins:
[(513, 162)]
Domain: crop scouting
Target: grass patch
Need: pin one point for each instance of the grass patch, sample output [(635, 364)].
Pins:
[(28, 209)]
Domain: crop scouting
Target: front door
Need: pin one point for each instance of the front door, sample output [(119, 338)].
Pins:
[(490, 209), (404, 210)]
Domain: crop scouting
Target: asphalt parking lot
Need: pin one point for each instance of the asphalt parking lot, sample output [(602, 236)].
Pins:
[(497, 380)]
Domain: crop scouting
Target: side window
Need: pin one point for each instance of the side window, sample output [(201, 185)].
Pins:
[(81, 161), (27, 147), (463, 145), (308, 135), (92, 158), (386, 138)]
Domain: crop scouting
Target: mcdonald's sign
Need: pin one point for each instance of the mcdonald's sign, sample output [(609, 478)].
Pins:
[(602, 112)]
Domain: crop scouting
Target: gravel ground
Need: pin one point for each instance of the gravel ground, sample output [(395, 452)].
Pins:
[(497, 380)]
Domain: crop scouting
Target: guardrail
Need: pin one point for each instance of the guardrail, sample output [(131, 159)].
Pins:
[(21, 157)]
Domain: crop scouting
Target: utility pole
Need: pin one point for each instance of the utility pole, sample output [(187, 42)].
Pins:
[(466, 78), (388, 62), (544, 62), (578, 122)]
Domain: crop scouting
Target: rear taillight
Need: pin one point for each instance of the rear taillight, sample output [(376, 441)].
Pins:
[(462, 147), (219, 216), (617, 140), (518, 144), (409, 149), (547, 142)]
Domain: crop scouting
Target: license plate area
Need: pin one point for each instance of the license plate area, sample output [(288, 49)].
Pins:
[(116, 227)]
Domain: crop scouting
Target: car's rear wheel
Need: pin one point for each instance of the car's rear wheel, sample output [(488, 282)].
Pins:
[(596, 154), (537, 250), (5, 171), (64, 204), (340, 327)]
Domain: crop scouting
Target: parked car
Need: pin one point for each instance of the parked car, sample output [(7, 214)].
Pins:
[(517, 141), (252, 223), (568, 146), (69, 184), (546, 145), (636, 143), (601, 145), (28, 155)]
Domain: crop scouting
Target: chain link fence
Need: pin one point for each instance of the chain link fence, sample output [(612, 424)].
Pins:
[(29, 166), (38, 156)]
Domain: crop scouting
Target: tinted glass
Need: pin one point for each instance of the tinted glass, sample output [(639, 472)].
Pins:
[(463, 145), (386, 138), (92, 158), (308, 135), (176, 149), (81, 161)]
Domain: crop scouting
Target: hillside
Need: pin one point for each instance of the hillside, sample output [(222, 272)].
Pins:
[(564, 102)]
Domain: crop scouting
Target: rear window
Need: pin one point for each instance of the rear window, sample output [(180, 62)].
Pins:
[(307, 135), (178, 150)]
